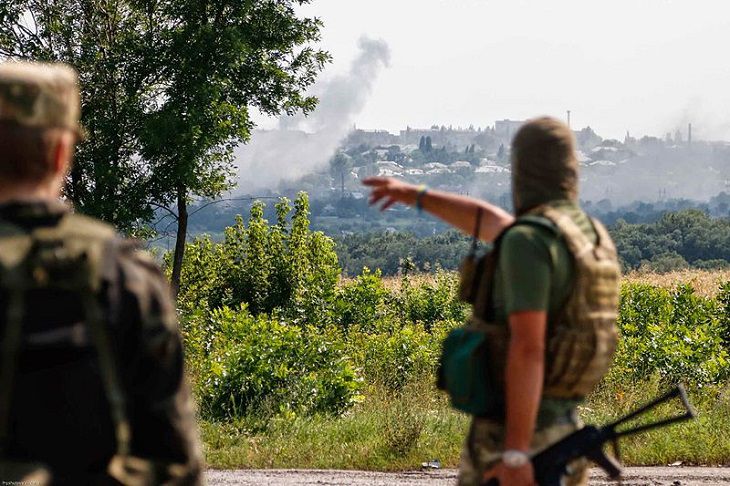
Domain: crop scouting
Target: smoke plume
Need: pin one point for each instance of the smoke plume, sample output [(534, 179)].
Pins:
[(302, 144)]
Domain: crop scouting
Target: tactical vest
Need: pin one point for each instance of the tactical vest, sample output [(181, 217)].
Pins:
[(582, 335), (78, 256)]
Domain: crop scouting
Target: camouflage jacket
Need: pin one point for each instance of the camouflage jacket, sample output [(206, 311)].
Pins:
[(59, 412)]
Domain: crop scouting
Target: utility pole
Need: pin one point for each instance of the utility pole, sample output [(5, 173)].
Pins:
[(568, 118), (689, 135)]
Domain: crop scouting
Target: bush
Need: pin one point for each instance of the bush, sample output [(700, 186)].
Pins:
[(283, 267), (361, 302), (675, 334), (723, 300), (262, 366), (432, 301), (270, 330)]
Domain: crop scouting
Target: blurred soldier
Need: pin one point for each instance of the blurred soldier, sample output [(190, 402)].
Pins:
[(91, 365), (546, 297)]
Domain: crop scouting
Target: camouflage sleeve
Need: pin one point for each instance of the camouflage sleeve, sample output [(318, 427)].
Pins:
[(162, 413)]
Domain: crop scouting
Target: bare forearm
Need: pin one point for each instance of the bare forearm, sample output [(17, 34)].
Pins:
[(461, 212), (524, 378)]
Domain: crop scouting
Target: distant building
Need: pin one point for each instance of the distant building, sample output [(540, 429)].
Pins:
[(414, 172), (440, 136), (388, 168), (460, 165), (506, 129), (434, 165), (492, 169), (371, 137)]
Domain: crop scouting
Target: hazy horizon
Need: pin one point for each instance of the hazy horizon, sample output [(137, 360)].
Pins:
[(645, 67)]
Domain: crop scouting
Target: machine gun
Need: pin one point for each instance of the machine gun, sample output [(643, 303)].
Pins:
[(550, 464)]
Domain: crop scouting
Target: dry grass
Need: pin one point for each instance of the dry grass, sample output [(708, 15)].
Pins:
[(705, 282)]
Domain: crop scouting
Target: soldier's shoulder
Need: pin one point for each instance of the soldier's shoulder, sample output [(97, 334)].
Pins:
[(85, 227), (531, 227), (143, 279), (535, 222)]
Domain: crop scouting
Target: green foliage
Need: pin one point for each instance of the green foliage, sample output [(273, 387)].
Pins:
[(394, 357), (362, 302), (166, 88), (432, 301), (723, 300), (678, 240), (284, 268), (259, 366), (305, 341), (403, 427), (674, 334), (387, 251)]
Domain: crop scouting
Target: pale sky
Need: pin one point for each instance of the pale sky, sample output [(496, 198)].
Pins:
[(647, 66)]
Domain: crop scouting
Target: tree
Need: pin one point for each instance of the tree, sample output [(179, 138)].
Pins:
[(501, 153), (166, 91), (341, 165)]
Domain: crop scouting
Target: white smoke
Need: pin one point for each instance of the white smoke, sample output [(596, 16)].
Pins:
[(303, 144)]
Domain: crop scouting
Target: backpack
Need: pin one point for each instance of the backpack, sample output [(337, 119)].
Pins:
[(78, 256)]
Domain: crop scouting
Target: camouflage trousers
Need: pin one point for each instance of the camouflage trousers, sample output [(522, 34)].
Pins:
[(483, 450)]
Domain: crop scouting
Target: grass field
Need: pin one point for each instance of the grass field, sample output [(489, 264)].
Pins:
[(390, 430), (399, 432)]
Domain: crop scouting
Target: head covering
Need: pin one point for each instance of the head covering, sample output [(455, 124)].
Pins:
[(544, 164), (39, 95)]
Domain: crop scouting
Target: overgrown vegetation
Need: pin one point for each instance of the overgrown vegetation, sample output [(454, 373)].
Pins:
[(293, 366)]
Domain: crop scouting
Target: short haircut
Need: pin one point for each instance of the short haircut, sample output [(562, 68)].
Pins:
[(26, 153)]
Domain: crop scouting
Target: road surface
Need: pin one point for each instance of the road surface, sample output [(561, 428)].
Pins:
[(633, 476)]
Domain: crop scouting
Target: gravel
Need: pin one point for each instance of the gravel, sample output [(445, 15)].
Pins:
[(633, 476)]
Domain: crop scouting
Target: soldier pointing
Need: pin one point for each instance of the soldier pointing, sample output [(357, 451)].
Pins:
[(545, 298)]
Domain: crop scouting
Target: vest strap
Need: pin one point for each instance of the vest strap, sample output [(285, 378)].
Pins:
[(10, 348), (20, 273)]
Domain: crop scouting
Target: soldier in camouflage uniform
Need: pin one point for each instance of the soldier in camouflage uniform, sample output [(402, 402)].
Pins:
[(92, 389), (546, 297)]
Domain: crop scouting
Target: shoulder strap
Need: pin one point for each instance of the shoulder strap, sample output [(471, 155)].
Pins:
[(576, 240), (10, 348), (47, 252), (15, 245), (109, 373), (605, 248)]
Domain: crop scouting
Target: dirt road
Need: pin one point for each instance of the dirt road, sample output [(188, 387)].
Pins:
[(635, 476)]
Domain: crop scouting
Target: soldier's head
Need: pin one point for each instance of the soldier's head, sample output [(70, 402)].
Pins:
[(39, 125), (544, 164)]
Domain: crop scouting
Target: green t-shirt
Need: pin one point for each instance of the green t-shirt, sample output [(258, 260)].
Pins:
[(535, 273)]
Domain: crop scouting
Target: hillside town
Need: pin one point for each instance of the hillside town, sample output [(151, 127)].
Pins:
[(475, 160)]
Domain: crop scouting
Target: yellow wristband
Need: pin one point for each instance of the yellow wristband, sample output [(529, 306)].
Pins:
[(422, 190)]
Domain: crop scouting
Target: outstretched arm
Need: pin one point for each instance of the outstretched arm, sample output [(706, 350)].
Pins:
[(458, 211)]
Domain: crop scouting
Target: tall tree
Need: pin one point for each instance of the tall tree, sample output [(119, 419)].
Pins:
[(340, 166), (166, 91)]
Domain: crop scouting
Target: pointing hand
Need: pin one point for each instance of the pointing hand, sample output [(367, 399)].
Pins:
[(390, 191)]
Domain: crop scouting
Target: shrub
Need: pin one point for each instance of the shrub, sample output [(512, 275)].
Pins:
[(675, 334), (361, 302), (395, 356), (723, 300), (262, 366), (283, 267), (433, 301), (402, 428)]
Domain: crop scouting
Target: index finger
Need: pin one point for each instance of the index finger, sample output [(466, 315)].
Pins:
[(375, 181)]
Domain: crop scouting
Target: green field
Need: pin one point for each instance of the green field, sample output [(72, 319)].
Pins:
[(294, 367)]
